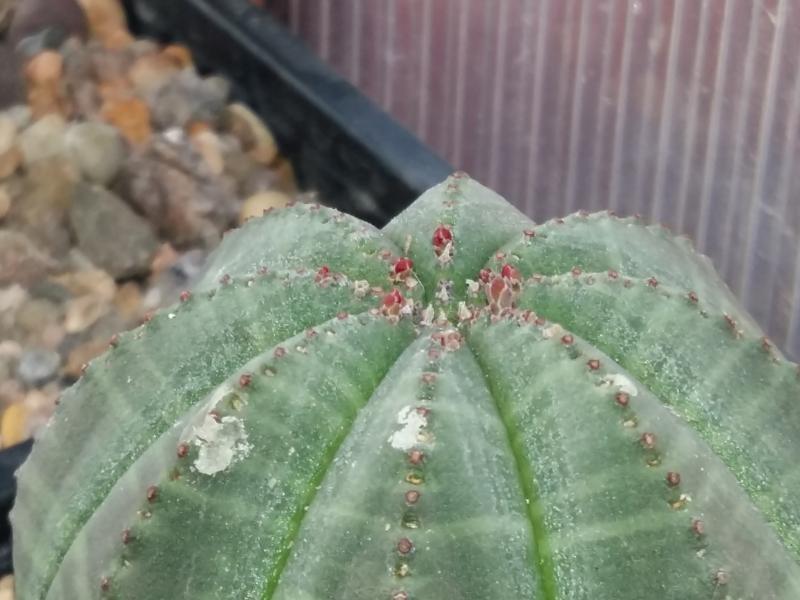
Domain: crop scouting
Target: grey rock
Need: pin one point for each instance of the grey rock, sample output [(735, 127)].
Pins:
[(21, 261), (43, 139), (77, 61), (38, 366), (79, 79), (98, 150), (188, 96), (35, 315), (49, 38), (49, 290), (108, 66), (19, 114), (40, 206), (12, 299), (141, 47), (165, 182), (110, 233)]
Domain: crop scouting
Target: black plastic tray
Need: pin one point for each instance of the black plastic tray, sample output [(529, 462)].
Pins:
[(341, 144), (10, 460)]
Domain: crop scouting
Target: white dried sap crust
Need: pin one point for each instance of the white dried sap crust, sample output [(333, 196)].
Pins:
[(221, 443)]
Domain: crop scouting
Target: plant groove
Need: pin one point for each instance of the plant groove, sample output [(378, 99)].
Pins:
[(543, 560)]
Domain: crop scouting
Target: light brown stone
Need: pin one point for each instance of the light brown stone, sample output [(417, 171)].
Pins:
[(131, 116), (164, 258), (43, 139), (117, 89), (83, 354), (7, 588), (255, 205), (51, 336), (14, 425), (287, 181), (43, 76), (45, 67), (95, 282), (256, 138), (10, 161), (83, 312), (128, 300), (207, 143), (150, 72), (180, 55), (107, 22)]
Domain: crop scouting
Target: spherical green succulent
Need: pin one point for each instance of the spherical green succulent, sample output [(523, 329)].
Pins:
[(462, 405)]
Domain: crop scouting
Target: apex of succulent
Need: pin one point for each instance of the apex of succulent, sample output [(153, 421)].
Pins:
[(462, 405)]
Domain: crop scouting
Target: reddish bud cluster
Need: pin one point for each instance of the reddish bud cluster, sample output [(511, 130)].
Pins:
[(152, 493), (412, 496), (402, 265), (415, 457), (510, 272), (405, 546), (322, 274), (648, 440), (392, 304), (441, 236)]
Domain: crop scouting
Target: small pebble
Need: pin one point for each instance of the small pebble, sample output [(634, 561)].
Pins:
[(131, 116), (21, 260), (108, 230), (256, 138), (98, 150), (83, 312), (43, 75), (128, 300), (180, 55), (151, 72), (14, 425), (208, 144), (38, 366), (43, 139)]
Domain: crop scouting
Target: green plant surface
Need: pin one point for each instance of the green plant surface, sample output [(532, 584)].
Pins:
[(602, 242), (735, 392), (464, 405)]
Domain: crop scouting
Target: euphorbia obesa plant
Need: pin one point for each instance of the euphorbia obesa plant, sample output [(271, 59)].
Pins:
[(462, 405)]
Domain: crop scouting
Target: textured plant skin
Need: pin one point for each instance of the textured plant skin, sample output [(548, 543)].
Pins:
[(463, 405)]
